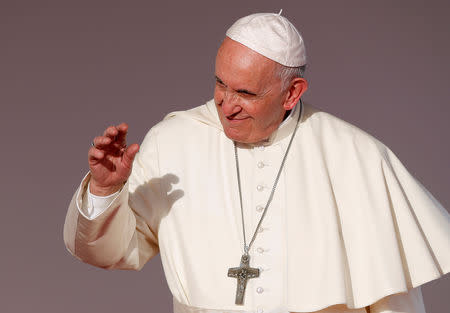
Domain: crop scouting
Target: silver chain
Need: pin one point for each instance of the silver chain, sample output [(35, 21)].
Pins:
[(247, 248)]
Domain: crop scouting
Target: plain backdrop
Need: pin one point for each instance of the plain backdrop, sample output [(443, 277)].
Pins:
[(69, 69)]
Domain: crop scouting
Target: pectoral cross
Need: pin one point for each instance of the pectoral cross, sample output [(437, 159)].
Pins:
[(243, 273)]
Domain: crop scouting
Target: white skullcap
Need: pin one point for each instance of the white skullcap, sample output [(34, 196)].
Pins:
[(271, 35)]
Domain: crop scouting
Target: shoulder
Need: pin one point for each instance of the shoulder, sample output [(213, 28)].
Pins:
[(181, 127), (179, 120), (340, 136)]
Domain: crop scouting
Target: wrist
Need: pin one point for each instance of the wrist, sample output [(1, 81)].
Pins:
[(103, 191)]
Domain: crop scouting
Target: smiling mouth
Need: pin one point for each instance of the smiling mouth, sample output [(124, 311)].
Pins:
[(236, 120), (234, 117), (230, 118)]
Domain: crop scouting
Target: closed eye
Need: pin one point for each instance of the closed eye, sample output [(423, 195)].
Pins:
[(246, 92), (241, 91), (219, 81)]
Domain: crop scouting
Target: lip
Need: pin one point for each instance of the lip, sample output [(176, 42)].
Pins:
[(237, 119)]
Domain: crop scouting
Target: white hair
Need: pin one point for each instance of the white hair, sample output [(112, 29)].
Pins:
[(286, 74)]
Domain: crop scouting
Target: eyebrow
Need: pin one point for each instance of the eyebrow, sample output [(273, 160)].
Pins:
[(239, 90)]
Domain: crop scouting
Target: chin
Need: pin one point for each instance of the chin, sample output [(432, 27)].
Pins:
[(240, 133), (236, 135)]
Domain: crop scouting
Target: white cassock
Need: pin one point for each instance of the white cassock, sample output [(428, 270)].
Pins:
[(349, 228)]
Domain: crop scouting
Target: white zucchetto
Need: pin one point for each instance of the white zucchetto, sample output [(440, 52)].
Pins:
[(271, 35)]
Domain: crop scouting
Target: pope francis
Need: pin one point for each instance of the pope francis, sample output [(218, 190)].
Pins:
[(259, 202)]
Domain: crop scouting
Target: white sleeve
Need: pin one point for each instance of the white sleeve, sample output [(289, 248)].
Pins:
[(125, 235), (96, 205), (405, 302)]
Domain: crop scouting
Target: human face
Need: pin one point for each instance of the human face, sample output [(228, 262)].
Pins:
[(247, 94)]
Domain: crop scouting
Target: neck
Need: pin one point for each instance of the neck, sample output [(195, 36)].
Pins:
[(286, 114)]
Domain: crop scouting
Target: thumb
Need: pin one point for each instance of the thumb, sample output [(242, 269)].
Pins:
[(129, 154)]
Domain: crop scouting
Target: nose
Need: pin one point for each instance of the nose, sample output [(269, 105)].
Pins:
[(230, 103)]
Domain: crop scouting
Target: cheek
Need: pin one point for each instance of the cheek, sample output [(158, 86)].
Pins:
[(257, 110), (218, 95), (265, 115)]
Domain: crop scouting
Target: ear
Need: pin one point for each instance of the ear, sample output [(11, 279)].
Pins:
[(296, 89)]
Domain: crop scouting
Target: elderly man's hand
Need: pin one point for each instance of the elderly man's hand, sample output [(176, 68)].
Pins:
[(110, 160)]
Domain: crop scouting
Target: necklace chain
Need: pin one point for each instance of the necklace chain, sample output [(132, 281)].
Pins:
[(247, 248)]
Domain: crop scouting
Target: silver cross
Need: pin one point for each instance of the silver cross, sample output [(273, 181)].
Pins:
[(243, 273)]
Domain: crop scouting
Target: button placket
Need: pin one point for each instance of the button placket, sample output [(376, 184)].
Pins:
[(266, 251), (263, 177)]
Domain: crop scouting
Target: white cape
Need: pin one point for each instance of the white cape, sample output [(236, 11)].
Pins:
[(358, 225), (374, 229)]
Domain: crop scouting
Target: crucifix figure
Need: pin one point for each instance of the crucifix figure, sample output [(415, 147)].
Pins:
[(243, 273)]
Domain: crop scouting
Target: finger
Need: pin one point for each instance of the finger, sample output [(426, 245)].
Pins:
[(117, 133), (122, 126), (116, 130), (129, 154), (101, 142), (111, 132), (122, 133), (95, 155), (110, 148)]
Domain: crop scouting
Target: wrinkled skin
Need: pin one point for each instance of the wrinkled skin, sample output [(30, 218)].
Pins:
[(248, 95)]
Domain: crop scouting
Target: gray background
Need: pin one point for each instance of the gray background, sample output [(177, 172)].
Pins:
[(68, 69)]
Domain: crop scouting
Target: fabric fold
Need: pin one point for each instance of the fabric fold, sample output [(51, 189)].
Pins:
[(405, 242)]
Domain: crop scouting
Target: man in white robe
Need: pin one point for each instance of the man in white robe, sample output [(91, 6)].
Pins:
[(349, 229)]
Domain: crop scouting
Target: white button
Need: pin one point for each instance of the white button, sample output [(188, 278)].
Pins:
[(261, 229), (259, 208), (261, 148), (259, 188), (259, 290), (260, 250), (260, 269), (260, 164)]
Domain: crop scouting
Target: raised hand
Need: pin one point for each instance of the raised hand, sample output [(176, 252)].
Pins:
[(110, 160)]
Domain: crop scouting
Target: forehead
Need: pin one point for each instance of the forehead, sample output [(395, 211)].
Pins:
[(237, 64)]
